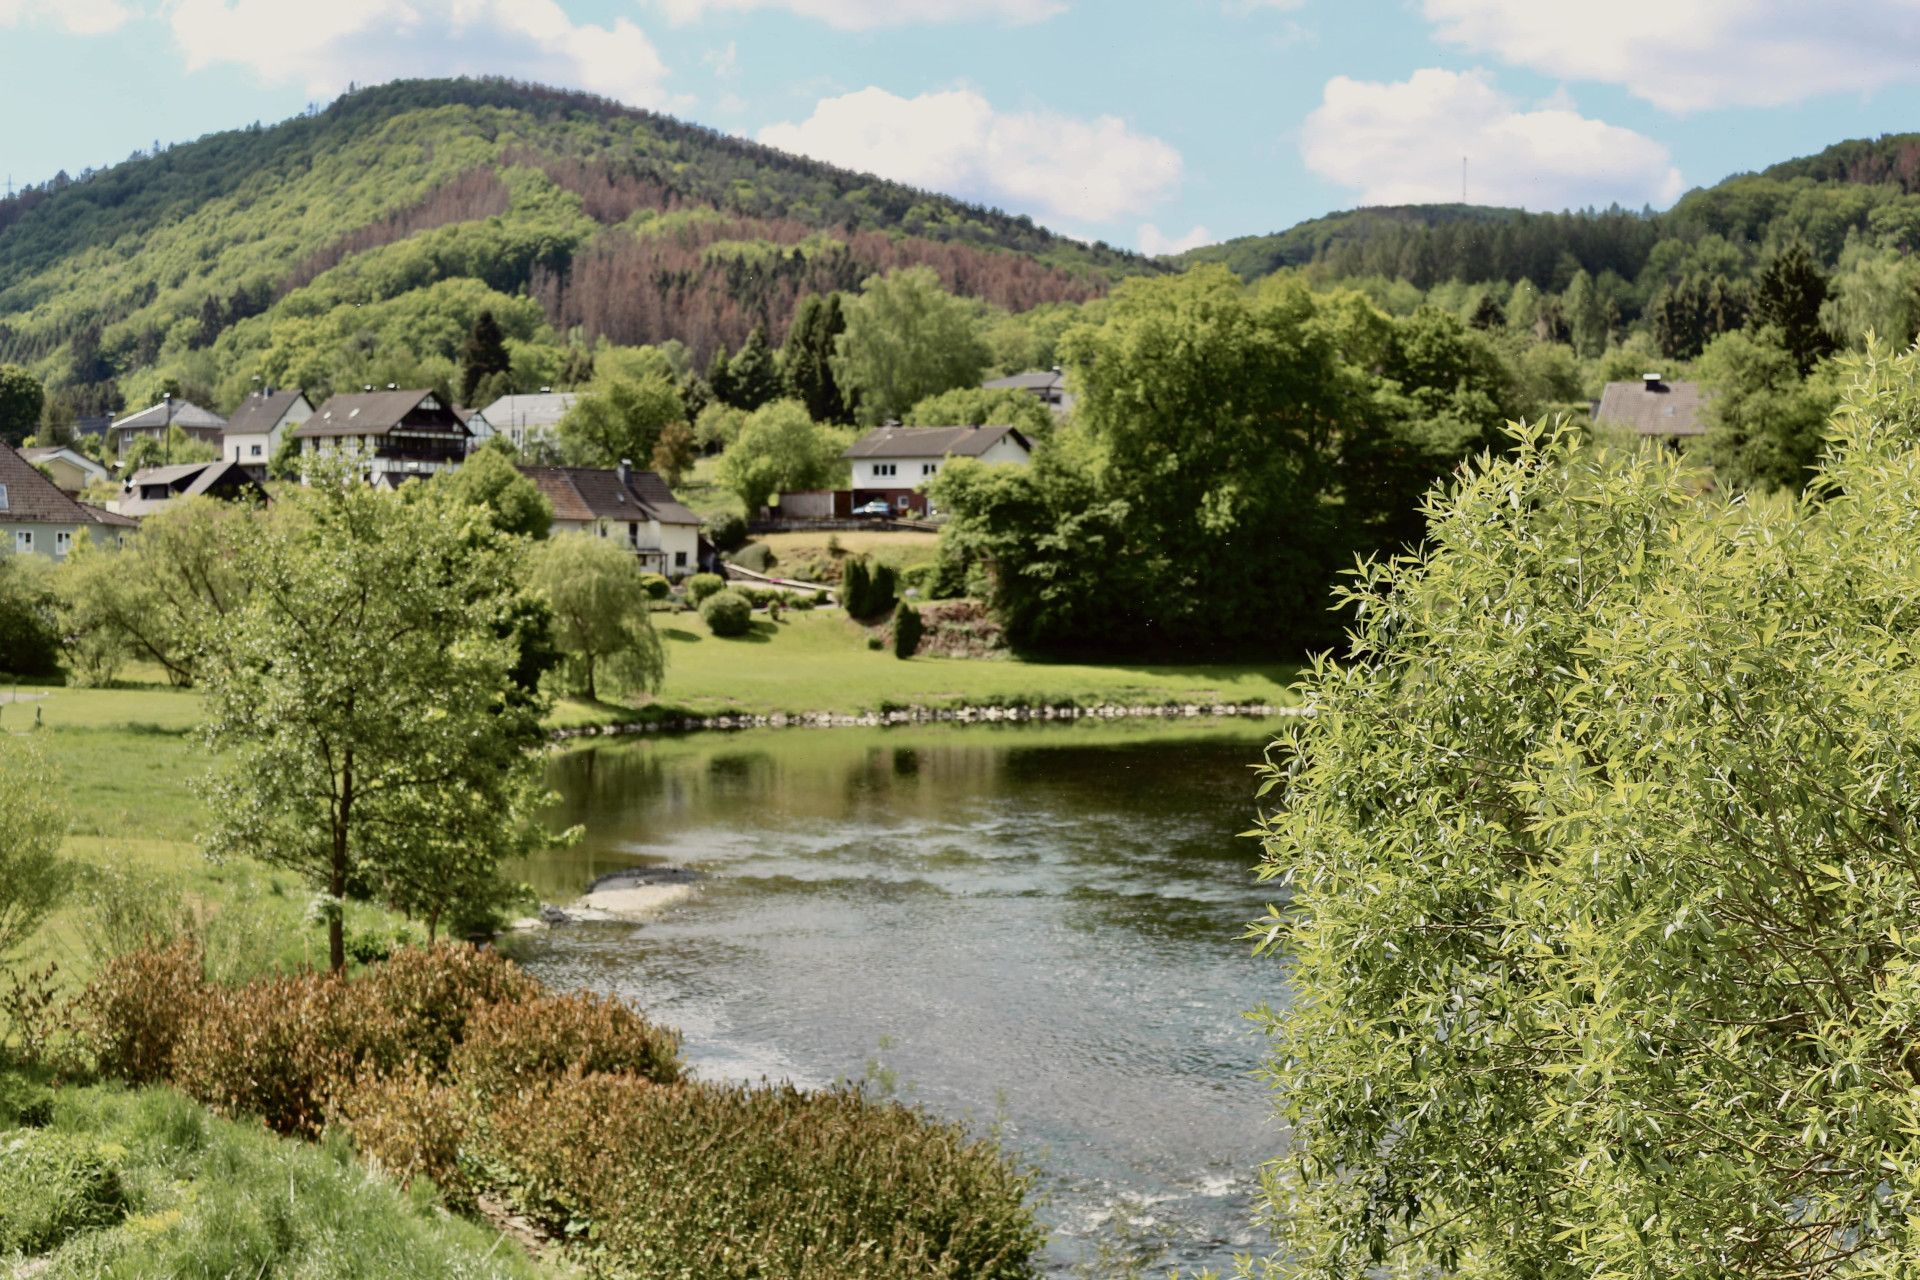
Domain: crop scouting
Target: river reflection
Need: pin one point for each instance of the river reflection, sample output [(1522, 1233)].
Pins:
[(1033, 926)]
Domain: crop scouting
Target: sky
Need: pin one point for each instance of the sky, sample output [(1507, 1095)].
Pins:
[(1153, 125)]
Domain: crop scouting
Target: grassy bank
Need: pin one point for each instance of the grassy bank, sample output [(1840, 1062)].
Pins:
[(819, 661)]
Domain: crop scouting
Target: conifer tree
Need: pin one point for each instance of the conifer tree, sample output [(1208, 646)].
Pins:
[(484, 354), (808, 358), (753, 372)]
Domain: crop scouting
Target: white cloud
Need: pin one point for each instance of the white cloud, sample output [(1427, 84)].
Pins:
[(76, 17), (1055, 165), (1698, 54), (862, 15), (1401, 143), (1155, 242), (324, 46)]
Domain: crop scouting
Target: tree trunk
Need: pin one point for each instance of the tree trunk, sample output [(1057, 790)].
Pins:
[(337, 879), (590, 693)]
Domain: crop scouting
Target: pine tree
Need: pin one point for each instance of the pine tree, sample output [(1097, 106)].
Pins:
[(720, 378), (1788, 295), (484, 354), (754, 374), (808, 358)]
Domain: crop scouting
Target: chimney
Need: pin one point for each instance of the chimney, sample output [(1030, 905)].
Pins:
[(626, 471), (545, 390), (1651, 382)]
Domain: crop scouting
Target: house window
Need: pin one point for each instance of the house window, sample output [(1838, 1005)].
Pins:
[(679, 559), (23, 540), (928, 468), (62, 542), (883, 468), (3, 497), (256, 451)]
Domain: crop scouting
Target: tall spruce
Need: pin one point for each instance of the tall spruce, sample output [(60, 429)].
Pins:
[(484, 355), (754, 373), (1788, 295), (720, 377), (808, 358)]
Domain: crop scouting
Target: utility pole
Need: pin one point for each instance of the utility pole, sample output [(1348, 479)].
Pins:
[(166, 432)]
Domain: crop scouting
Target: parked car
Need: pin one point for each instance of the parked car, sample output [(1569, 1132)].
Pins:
[(878, 507)]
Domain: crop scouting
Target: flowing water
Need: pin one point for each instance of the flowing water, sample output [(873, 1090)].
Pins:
[(1029, 927)]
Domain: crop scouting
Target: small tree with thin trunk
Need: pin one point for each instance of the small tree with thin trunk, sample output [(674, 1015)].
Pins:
[(33, 877), (600, 596), (368, 703)]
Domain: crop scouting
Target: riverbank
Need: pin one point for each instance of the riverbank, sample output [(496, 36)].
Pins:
[(815, 664)]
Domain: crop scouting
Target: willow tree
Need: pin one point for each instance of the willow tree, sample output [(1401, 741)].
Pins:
[(1601, 853), (371, 706)]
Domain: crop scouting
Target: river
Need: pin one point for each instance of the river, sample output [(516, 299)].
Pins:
[(1033, 928)]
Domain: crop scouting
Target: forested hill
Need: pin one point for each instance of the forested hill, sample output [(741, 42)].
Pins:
[(1865, 192), (298, 252)]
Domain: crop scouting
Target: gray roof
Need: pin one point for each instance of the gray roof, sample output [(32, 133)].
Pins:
[(186, 415), (1034, 380), (183, 480), (932, 442), (261, 411), (1654, 408), (542, 409), (31, 497), (591, 493), (364, 413), (48, 452)]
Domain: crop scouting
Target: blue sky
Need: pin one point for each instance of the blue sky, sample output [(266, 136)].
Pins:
[(1149, 125)]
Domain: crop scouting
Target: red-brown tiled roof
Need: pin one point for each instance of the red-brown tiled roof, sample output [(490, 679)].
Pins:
[(31, 497)]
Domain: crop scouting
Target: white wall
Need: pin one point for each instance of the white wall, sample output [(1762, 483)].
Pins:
[(911, 473), (46, 538)]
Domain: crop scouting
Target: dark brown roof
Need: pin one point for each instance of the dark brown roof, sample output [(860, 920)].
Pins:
[(100, 515), (932, 442), (363, 413), (259, 412), (184, 480), (590, 493), (1654, 408), (31, 497)]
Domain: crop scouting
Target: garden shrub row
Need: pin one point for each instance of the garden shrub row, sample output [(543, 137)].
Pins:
[(451, 1064)]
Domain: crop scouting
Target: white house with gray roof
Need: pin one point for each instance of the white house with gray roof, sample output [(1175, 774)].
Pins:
[(891, 464), (257, 427), (529, 420)]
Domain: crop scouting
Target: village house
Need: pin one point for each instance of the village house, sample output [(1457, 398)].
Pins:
[(891, 464), (36, 518), (152, 489), (634, 507), (1654, 408), (1048, 386), (153, 423), (529, 420), (67, 467), (396, 435), (257, 427)]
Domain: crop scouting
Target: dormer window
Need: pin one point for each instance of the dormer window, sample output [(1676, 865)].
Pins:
[(3, 497)]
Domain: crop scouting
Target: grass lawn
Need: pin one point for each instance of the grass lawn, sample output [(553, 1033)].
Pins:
[(701, 493), (901, 548), (819, 661)]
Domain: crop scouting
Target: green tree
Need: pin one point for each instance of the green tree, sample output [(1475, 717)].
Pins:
[(1597, 932), (29, 631), (21, 399), (1874, 291), (1764, 422), (490, 480), (780, 449), (364, 702), (161, 597), (178, 447), (720, 379), (620, 420), (1787, 296), (601, 623), (483, 357), (33, 876), (976, 406), (718, 426), (906, 338), (907, 630), (807, 359), (753, 373), (1586, 315)]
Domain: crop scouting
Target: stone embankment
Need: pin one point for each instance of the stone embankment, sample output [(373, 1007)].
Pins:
[(927, 715)]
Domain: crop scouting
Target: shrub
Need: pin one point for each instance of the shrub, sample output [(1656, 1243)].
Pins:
[(24, 1102), (702, 585), (757, 556), (53, 1186), (33, 875), (705, 1180), (29, 635), (906, 630), (727, 531), (277, 1049), (512, 1046), (657, 586), (131, 1016), (882, 590), (433, 991), (834, 548), (875, 643), (727, 613), (854, 577), (409, 1125)]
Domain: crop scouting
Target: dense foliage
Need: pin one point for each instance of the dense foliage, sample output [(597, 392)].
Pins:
[(1598, 855), (600, 596), (33, 876)]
